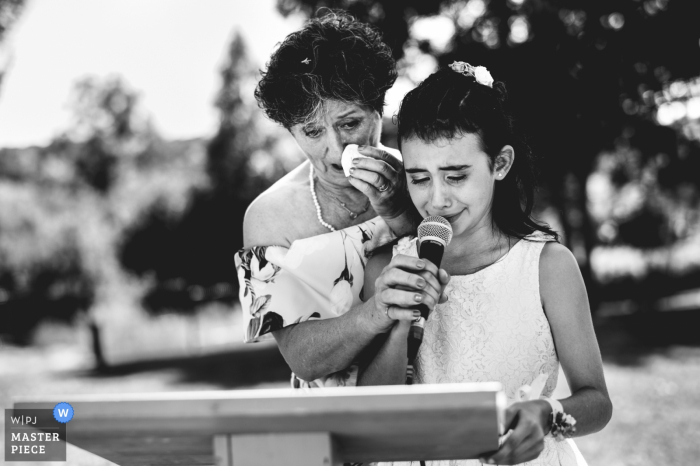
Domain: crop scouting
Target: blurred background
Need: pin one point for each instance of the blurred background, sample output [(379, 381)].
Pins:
[(131, 145)]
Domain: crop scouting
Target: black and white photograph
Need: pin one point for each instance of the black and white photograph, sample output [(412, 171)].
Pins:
[(346, 233)]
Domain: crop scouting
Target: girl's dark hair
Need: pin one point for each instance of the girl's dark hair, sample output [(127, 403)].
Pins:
[(333, 57), (448, 105)]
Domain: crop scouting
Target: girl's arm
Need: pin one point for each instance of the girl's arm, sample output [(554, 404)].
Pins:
[(566, 305), (565, 302)]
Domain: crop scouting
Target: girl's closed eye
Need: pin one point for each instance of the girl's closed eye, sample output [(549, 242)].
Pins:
[(452, 179), (419, 180)]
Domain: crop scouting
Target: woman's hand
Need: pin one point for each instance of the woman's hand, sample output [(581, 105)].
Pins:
[(382, 179), (529, 421), (405, 283)]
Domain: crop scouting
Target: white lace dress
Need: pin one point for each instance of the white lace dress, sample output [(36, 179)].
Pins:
[(493, 328)]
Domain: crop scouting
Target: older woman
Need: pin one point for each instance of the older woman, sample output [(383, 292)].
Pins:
[(308, 237)]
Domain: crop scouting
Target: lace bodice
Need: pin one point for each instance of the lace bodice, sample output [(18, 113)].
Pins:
[(493, 328)]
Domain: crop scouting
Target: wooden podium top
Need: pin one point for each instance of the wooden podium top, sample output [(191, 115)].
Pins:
[(437, 421)]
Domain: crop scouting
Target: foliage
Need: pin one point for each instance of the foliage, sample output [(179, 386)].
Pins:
[(9, 12), (585, 78), (190, 256), (65, 207)]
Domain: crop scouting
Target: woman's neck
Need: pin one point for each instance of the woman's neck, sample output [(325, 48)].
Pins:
[(352, 198), (342, 206)]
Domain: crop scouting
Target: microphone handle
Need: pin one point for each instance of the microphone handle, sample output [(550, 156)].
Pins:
[(432, 251)]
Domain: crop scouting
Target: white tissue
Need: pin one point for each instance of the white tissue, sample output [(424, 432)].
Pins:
[(349, 154)]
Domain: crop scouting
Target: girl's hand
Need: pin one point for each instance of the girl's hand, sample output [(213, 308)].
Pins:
[(529, 421), (382, 179), (404, 283)]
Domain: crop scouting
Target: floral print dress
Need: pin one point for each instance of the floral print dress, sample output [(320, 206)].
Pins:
[(315, 278)]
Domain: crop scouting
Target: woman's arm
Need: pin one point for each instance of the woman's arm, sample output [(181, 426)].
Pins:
[(565, 302), (388, 366), (320, 347), (317, 348), (385, 360)]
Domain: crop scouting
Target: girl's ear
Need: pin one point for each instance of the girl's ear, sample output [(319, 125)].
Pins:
[(504, 161)]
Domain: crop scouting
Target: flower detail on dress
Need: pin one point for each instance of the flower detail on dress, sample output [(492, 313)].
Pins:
[(480, 73), (341, 297), (256, 310), (255, 266), (303, 248), (341, 294), (260, 268)]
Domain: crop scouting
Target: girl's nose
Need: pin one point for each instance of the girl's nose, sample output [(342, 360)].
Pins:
[(439, 197)]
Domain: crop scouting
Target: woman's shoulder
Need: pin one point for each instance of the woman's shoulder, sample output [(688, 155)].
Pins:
[(406, 246), (270, 218)]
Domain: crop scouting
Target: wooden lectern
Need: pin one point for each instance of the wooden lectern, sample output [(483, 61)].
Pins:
[(320, 427)]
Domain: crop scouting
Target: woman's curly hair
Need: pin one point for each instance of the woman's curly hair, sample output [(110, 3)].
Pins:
[(333, 57)]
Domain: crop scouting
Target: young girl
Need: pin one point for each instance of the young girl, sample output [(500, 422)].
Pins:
[(517, 305)]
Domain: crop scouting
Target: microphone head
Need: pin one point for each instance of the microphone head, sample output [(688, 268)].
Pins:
[(435, 228)]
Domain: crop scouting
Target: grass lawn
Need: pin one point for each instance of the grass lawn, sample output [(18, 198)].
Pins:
[(652, 367)]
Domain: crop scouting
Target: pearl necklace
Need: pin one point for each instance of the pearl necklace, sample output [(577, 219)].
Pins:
[(313, 196)]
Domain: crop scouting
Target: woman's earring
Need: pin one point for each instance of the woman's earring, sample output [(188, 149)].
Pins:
[(500, 175)]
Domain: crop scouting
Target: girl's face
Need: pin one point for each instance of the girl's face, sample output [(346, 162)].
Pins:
[(324, 139), (451, 178)]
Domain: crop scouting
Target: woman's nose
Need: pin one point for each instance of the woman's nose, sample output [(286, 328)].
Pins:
[(336, 146)]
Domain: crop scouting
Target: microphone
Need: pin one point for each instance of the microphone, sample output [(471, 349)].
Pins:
[(434, 234)]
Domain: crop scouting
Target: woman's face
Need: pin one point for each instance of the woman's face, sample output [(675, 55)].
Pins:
[(451, 178), (339, 124)]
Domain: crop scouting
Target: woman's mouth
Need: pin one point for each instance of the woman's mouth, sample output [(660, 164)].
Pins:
[(337, 167)]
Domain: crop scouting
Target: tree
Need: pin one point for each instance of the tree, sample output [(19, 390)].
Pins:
[(191, 255), (9, 12), (585, 73)]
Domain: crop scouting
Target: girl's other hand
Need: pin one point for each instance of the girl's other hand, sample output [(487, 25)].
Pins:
[(529, 421)]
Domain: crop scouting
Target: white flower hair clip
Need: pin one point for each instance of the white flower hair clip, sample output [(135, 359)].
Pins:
[(480, 73)]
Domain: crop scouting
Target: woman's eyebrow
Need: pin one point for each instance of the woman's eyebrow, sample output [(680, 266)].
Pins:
[(346, 113)]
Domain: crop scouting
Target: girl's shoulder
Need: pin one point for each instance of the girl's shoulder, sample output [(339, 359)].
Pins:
[(559, 271), (538, 236)]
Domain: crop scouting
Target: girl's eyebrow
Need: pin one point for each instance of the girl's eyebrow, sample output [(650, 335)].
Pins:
[(451, 168)]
